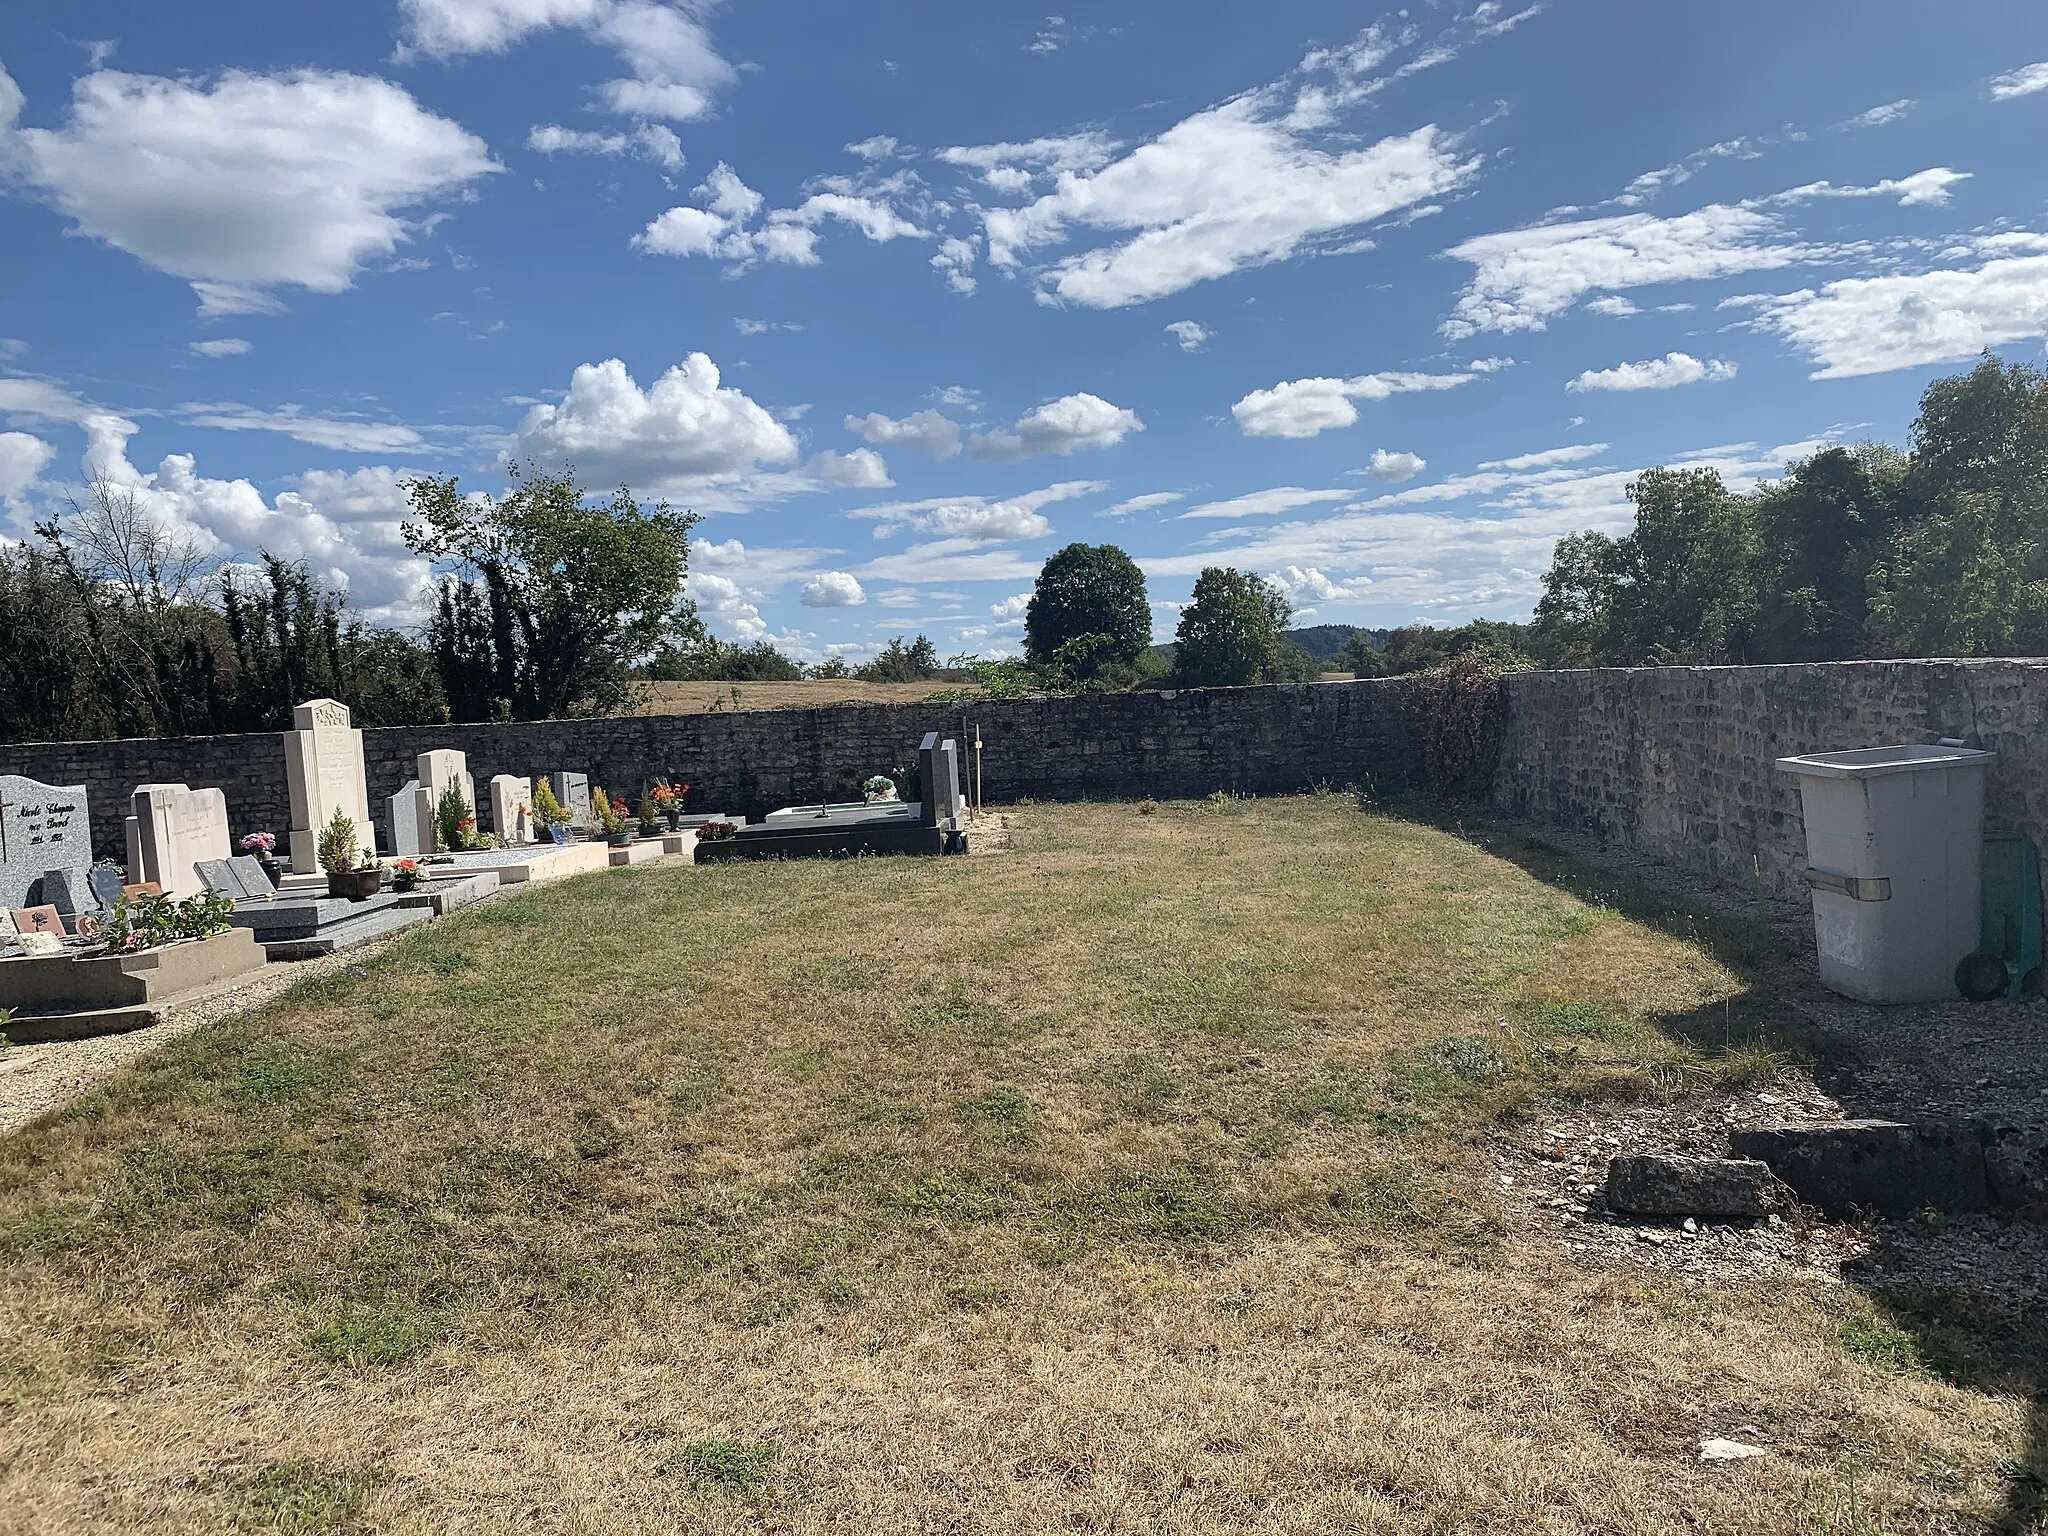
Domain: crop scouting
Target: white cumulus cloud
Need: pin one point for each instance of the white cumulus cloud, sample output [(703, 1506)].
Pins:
[(723, 224), (1067, 425), (833, 589), (245, 183), (23, 458), (219, 346), (1394, 468), (1189, 333), (924, 431), (1305, 407), (684, 430), (1666, 372)]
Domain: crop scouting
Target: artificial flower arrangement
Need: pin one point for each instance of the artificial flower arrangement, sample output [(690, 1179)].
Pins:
[(547, 811), (609, 820), (716, 831), (262, 844), (879, 790), (406, 875)]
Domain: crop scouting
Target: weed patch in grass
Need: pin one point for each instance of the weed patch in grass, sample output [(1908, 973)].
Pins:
[(740, 1468), (300, 1498), (375, 1337)]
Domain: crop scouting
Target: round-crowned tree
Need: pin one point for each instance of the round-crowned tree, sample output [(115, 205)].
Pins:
[(1087, 591), (1230, 631)]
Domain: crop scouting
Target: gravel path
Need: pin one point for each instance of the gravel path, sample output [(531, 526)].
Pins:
[(35, 1079)]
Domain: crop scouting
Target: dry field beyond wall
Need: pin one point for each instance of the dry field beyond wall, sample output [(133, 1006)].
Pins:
[(819, 693), (1136, 1180)]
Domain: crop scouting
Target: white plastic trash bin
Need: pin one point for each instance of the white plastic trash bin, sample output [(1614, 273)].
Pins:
[(1895, 856)]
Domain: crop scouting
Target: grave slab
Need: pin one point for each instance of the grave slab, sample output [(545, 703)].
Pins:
[(43, 827), (46, 984), (323, 760), (636, 853)]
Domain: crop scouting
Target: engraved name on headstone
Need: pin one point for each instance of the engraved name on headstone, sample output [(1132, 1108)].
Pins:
[(43, 827)]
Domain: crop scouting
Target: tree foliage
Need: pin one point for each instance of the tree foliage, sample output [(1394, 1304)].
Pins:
[(120, 624), (898, 662), (1088, 611), (1230, 630), (547, 601), (1856, 552)]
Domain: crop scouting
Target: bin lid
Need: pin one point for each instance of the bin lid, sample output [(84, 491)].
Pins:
[(1870, 762)]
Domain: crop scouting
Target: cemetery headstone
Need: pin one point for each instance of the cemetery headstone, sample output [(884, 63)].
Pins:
[(952, 808), (928, 776), (512, 809), (438, 770), (42, 827), (404, 821), (175, 827), (573, 791), (323, 762), (241, 879), (105, 883)]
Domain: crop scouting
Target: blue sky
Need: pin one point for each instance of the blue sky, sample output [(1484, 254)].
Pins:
[(903, 298)]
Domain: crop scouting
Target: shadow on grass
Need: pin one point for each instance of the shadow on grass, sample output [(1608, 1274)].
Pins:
[(1982, 1341)]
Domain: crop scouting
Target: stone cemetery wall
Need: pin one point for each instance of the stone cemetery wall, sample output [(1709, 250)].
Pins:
[(1246, 740), (1676, 762)]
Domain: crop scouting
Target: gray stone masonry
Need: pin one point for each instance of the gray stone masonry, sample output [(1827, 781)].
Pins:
[(1672, 762)]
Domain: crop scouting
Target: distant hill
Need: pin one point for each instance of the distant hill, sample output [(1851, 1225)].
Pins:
[(1323, 641), (1326, 641)]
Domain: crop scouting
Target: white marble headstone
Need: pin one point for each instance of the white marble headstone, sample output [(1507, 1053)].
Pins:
[(512, 809), (173, 828), (437, 771), (323, 763)]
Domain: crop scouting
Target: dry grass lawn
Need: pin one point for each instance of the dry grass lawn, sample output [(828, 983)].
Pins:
[(1135, 1181), (818, 693)]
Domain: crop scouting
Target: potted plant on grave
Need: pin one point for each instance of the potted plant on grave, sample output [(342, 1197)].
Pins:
[(716, 831), (264, 846), (454, 820), (880, 790), (608, 819), (349, 878), (406, 875), (547, 810), (668, 800), (650, 815)]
